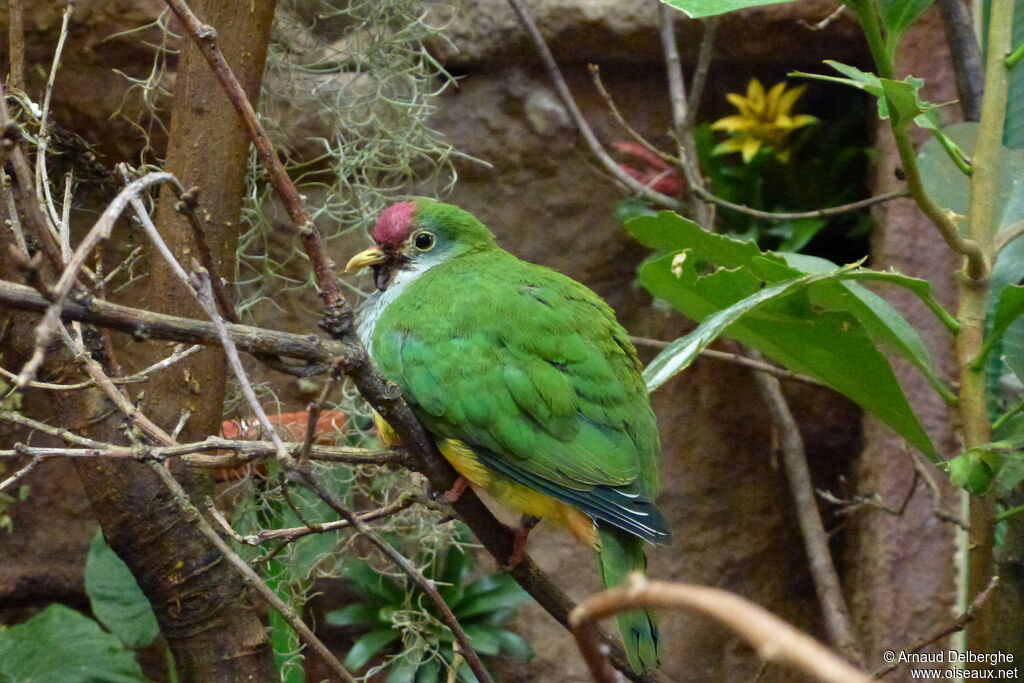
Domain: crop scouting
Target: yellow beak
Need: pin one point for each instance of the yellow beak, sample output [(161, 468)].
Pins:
[(370, 257)]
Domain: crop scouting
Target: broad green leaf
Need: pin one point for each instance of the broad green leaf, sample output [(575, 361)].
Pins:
[(368, 645), (680, 353), (63, 645), (696, 9), (787, 316), (507, 595), (898, 15), (115, 596)]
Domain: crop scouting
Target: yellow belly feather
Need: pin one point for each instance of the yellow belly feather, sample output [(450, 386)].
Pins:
[(512, 494)]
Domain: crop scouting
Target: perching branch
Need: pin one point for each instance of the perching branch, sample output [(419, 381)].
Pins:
[(772, 638)]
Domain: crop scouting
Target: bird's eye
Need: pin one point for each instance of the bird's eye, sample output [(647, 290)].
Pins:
[(424, 241)]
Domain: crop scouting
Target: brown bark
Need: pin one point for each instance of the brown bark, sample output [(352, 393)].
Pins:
[(211, 623)]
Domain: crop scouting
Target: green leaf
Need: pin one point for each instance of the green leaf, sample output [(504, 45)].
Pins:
[(368, 645), (515, 646), (970, 472), (356, 614), (898, 100), (115, 596), (812, 323), (1008, 309), (898, 15), (1013, 132), (483, 639), (62, 645), (507, 595), (998, 465), (696, 9), (372, 582)]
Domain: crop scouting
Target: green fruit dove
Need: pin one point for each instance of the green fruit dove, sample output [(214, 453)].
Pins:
[(527, 383)]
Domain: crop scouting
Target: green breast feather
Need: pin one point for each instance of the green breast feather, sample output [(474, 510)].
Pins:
[(531, 370)]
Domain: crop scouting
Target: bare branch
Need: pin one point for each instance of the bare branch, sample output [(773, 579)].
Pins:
[(774, 639), (700, 72), (205, 38), (100, 231), (826, 581), (736, 359), (134, 378), (959, 624), (20, 474), (596, 148)]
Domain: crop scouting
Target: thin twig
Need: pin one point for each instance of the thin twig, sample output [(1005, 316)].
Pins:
[(826, 581), (192, 515), (674, 70), (735, 359), (47, 327), (42, 180), (700, 72), (102, 380), (595, 74), (205, 38), (304, 477), (290, 535), (596, 148), (148, 325), (134, 378), (774, 639), (959, 624), (20, 474), (704, 194), (24, 196)]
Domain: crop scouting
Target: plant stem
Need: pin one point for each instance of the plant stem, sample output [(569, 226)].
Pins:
[(974, 292), (977, 263)]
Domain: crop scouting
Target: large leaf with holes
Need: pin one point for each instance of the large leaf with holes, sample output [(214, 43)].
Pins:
[(61, 644), (696, 9), (815, 323)]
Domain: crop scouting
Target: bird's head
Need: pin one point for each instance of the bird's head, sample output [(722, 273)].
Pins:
[(417, 235)]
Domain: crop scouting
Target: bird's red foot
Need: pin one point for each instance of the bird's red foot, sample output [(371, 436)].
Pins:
[(519, 537), (453, 494)]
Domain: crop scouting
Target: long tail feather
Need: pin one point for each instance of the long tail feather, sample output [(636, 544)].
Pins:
[(621, 553)]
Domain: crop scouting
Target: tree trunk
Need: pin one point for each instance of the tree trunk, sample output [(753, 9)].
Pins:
[(211, 623)]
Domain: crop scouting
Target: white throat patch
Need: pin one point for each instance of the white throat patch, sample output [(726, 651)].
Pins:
[(371, 310)]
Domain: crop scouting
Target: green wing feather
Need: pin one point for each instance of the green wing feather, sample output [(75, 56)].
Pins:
[(531, 369)]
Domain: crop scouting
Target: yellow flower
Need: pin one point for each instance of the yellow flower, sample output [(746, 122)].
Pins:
[(763, 121)]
